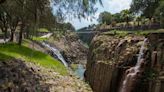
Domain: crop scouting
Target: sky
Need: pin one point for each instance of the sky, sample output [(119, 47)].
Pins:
[(112, 6)]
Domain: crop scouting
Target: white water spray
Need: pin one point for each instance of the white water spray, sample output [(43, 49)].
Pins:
[(132, 73), (56, 52)]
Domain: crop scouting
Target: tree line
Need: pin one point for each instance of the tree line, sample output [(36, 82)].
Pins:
[(140, 11), (26, 16)]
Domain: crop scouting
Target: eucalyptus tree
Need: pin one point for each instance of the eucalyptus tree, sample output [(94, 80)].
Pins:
[(105, 17), (64, 8), (11, 10), (145, 7), (29, 12), (75, 8), (160, 13), (48, 20), (4, 21), (117, 17)]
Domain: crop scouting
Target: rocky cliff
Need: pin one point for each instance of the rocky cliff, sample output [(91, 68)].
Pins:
[(20, 76), (71, 47), (110, 56)]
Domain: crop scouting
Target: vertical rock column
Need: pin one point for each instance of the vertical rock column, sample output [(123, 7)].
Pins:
[(99, 76)]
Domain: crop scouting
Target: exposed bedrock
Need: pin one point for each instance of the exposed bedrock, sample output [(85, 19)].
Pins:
[(111, 56)]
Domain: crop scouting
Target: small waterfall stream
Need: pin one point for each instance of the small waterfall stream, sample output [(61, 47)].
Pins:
[(132, 73), (80, 69), (57, 53)]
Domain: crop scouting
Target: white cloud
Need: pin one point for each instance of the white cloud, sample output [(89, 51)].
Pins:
[(112, 6)]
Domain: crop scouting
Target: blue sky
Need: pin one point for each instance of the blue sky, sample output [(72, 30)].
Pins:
[(112, 6)]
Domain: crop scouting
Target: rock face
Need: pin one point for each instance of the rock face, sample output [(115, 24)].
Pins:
[(71, 47), (20, 76), (111, 55)]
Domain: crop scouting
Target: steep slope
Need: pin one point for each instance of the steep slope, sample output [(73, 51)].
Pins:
[(71, 47), (25, 70), (112, 55)]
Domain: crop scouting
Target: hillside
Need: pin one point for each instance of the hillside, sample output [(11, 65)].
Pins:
[(26, 70)]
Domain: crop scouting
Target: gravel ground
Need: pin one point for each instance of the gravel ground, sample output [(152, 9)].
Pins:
[(20, 76)]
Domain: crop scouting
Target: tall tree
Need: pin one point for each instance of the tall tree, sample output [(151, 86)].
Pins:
[(105, 17), (30, 11), (126, 15), (4, 21), (75, 8), (13, 17), (117, 17), (145, 7), (160, 13)]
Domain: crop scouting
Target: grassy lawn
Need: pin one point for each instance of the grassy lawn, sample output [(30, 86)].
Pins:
[(43, 30), (39, 39), (11, 50), (138, 32)]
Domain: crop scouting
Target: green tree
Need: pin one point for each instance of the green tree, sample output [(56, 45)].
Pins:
[(145, 7), (4, 21), (127, 16), (13, 17), (138, 19), (105, 18), (29, 13), (117, 17), (160, 13)]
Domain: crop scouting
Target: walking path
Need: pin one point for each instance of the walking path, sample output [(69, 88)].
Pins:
[(2, 40)]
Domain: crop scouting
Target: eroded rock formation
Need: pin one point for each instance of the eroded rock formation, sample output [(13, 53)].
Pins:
[(19, 76), (71, 47), (111, 56)]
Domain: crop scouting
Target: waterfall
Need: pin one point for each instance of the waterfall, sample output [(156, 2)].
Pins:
[(132, 73), (56, 52)]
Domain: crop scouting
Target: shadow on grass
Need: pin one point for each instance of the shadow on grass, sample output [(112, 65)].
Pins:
[(5, 57), (17, 77), (26, 54), (24, 51)]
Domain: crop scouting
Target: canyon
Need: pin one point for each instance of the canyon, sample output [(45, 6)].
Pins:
[(127, 63), (115, 62)]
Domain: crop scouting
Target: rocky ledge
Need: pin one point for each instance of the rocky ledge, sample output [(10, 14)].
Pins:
[(20, 76), (71, 47), (111, 55)]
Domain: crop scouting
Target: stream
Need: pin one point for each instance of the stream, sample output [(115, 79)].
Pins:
[(57, 53), (79, 71), (132, 74)]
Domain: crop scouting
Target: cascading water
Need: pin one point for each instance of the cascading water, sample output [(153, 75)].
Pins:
[(80, 71), (57, 53), (132, 73)]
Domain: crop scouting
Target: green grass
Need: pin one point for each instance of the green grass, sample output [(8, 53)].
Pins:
[(12, 50), (43, 30), (26, 42), (5, 57), (123, 33), (39, 39)]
